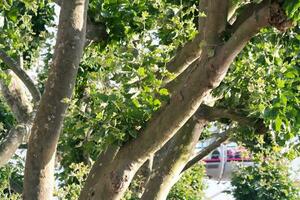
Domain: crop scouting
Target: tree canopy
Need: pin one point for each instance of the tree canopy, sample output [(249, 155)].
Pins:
[(116, 90)]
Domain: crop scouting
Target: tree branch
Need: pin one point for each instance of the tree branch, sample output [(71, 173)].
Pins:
[(217, 69), (220, 139), (12, 141), (21, 108), (172, 157), (215, 113), (185, 100), (212, 113), (23, 76), (209, 29), (244, 13), (16, 99)]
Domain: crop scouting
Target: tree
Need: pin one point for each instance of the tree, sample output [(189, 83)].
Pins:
[(143, 73)]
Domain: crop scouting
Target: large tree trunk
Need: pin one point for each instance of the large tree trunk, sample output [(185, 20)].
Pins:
[(171, 159), (111, 181), (39, 168)]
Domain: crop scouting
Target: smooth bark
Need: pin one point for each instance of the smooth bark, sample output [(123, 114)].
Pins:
[(15, 96), (95, 32), (39, 168)]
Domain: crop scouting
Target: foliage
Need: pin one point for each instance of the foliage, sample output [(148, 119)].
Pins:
[(190, 186), (119, 83), (135, 188), (6, 119), (268, 179), (11, 172), (264, 83), (75, 179), (117, 87), (24, 28), (292, 9)]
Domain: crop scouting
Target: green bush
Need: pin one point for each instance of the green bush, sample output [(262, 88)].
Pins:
[(266, 180)]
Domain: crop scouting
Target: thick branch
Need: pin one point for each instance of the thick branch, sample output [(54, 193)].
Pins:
[(16, 68), (39, 168), (170, 160), (209, 29), (215, 113), (20, 106), (227, 53), (192, 49), (244, 13), (185, 100), (251, 26), (16, 98), (12, 141), (216, 21)]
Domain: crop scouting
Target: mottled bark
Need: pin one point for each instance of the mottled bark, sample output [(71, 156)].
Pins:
[(39, 168), (170, 160)]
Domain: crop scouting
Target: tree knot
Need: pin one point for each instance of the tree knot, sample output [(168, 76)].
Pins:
[(278, 18), (117, 181)]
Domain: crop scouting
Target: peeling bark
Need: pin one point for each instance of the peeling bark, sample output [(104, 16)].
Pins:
[(39, 168)]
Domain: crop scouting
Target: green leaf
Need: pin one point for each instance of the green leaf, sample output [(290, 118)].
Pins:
[(280, 83), (278, 123), (141, 71), (156, 102), (164, 92)]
